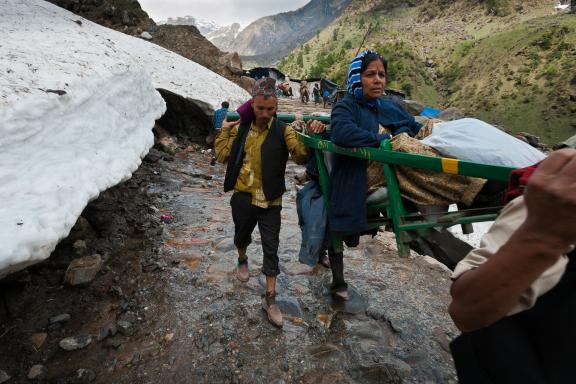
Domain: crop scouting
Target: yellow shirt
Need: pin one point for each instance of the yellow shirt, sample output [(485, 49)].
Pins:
[(250, 177)]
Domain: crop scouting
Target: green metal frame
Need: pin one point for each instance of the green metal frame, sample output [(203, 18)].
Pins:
[(406, 226), (285, 117)]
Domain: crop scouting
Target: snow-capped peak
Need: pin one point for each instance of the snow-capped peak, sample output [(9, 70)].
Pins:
[(204, 26)]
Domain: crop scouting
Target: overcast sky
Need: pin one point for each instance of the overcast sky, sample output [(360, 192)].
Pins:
[(223, 12)]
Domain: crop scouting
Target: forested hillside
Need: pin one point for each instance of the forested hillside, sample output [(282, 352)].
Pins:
[(508, 62)]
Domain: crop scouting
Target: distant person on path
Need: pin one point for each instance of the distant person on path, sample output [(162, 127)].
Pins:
[(257, 153), (219, 116), (217, 119), (316, 93), (304, 92), (325, 97), (514, 298)]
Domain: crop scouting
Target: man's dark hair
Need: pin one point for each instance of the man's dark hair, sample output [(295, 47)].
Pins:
[(370, 58), (225, 104)]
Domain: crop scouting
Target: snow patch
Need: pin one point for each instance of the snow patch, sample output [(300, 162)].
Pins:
[(59, 152), (77, 106), (480, 229), (44, 48)]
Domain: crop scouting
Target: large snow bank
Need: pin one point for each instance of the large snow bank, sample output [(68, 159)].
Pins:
[(57, 152), (46, 47)]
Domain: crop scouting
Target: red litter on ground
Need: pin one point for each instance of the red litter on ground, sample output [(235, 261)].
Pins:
[(168, 219)]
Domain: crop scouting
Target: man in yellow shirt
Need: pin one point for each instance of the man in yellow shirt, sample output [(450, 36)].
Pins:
[(257, 153)]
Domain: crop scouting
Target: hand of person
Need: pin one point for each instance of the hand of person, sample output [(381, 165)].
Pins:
[(381, 129), (229, 124), (550, 199), (315, 126)]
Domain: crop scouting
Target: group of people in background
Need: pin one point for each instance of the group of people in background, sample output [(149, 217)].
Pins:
[(318, 95), (513, 298)]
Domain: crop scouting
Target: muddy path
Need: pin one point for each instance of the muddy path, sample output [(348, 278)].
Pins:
[(166, 306)]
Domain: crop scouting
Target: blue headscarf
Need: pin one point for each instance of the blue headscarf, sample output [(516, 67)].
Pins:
[(354, 76)]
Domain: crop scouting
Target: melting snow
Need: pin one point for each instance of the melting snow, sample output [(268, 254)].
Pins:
[(59, 150)]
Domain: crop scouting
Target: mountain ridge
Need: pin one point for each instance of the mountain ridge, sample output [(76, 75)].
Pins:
[(435, 48), (271, 37), (204, 26)]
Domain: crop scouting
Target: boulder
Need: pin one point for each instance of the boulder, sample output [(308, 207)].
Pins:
[(83, 270), (62, 318), (4, 377), (412, 107), (450, 114), (74, 343), (85, 376), (247, 83), (570, 142), (38, 339), (38, 372), (233, 62)]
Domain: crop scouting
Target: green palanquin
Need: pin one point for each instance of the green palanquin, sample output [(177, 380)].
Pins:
[(406, 226)]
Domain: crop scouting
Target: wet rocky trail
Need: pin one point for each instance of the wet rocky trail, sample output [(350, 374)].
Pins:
[(166, 305)]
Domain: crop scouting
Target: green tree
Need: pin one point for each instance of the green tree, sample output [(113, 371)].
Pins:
[(335, 34), (497, 7), (406, 87)]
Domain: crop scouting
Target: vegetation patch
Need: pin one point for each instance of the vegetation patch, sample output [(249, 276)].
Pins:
[(509, 62)]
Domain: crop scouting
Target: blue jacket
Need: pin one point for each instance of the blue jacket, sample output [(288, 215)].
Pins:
[(218, 118), (355, 124)]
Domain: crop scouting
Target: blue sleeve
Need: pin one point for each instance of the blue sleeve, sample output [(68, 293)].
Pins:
[(395, 117), (411, 126), (214, 119), (345, 131), (411, 129), (414, 126)]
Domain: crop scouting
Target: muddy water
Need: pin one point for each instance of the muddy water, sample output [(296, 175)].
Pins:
[(212, 328)]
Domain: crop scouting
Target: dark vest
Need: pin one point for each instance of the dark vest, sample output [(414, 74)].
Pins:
[(536, 346), (274, 155)]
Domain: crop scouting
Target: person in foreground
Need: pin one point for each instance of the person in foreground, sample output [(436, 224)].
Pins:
[(359, 120), (514, 298), (257, 152)]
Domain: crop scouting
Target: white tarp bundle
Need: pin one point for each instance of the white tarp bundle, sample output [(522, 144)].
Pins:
[(474, 140)]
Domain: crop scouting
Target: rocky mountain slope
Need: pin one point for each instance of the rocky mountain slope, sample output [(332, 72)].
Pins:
[(122, 15), (224, 37), (127, 16), (204, 26), (187, 41), (508, 62), (271, 38)]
